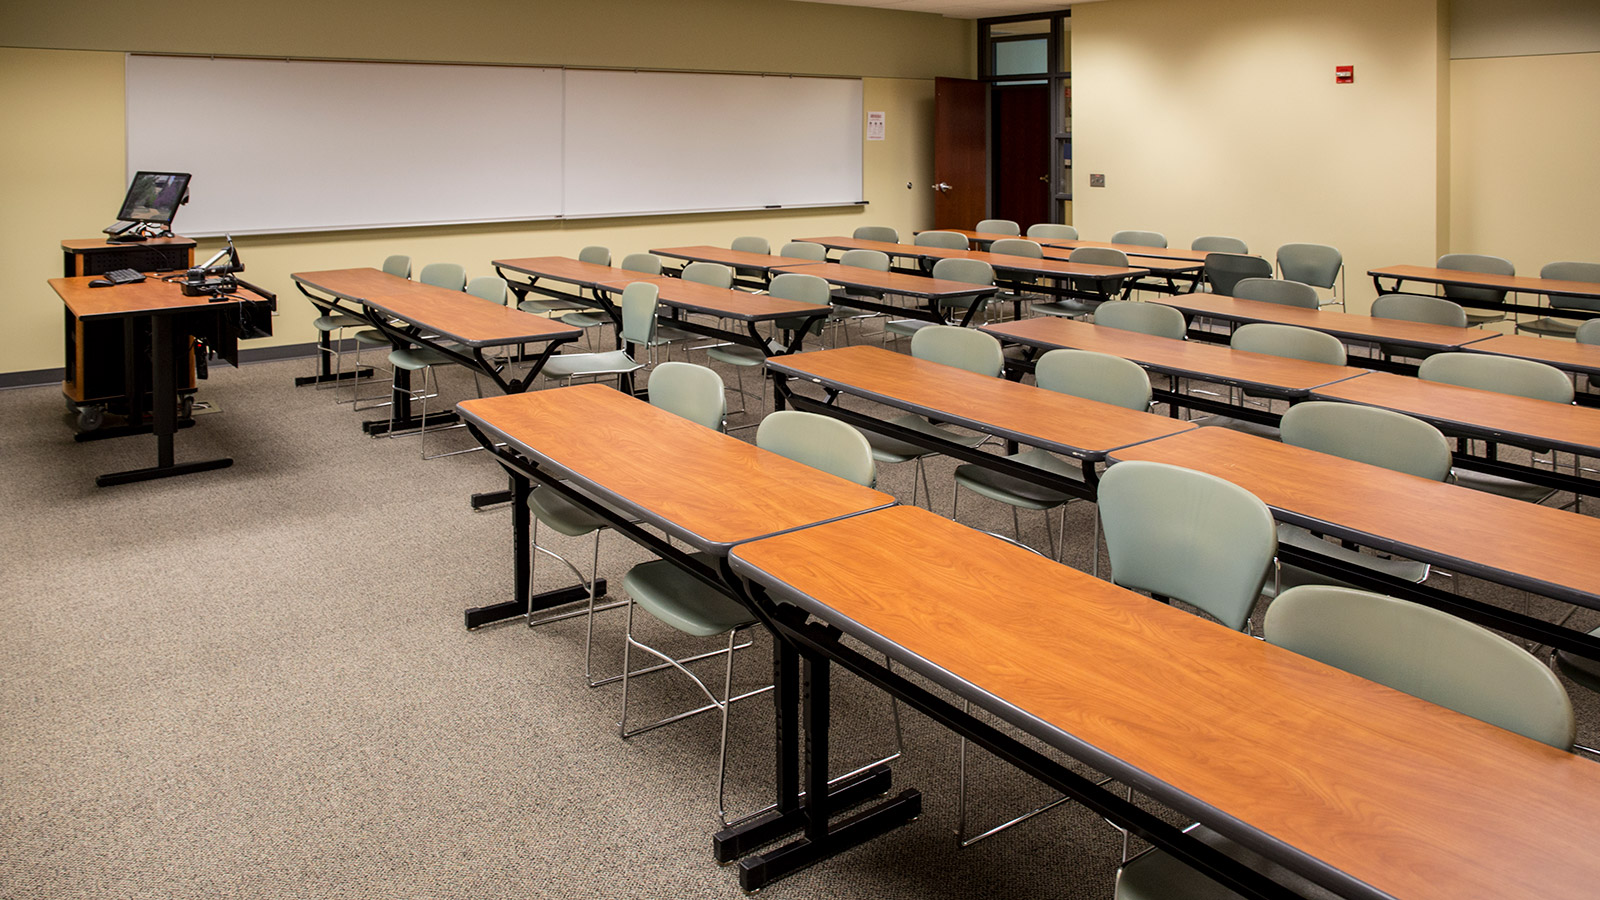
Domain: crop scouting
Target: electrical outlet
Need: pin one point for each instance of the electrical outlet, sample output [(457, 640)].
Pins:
[(1097, 181)]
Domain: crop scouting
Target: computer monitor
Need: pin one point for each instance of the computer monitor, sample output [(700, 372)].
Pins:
[(153, 197)]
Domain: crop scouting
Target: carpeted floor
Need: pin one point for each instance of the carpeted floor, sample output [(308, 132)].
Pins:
[(256, 683)]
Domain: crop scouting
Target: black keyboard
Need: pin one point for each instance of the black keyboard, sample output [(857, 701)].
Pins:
[(122, 276)]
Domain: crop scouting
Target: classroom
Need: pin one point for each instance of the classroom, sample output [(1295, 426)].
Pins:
[(186, 710)]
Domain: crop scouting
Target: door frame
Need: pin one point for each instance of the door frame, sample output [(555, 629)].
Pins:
[(1059, 79)]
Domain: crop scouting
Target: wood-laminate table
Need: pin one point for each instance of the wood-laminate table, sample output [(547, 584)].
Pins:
[(931, 290), (158, 315), (634, 465), (1277, 376), (1198, 256), (1515, 284), (1569, 356), (1017, 413), (1345, 326), (538, 273), (680, 297), (455, 323), (1180, 276), (1485, 415), (738, 260), (1369, 792)]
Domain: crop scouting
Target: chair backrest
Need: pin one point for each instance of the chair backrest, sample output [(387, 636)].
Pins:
[(692, 391), (1417, 308), (1145, 318), (820, 442), (1017, 247), (804, 250), (1475, 262), (1290, 341), (1572, 271), (646, 263), (714, 274), (800, 287), (489, 287), (945, 240), (1425, 653), (1504, 374), (865, 259), (876, 233), (1142, 238), (1314, 264), (965, 348), (1187, 535), (594, 253), (1099, 256), (1277, 290), (450, 276), (751, 244), (1094, 376), (1225, 270), (972, 271), (398, 265), (1378, 437), (639, 312), (1588, 332), (1053, 232), (1216, 243), (999, 226)]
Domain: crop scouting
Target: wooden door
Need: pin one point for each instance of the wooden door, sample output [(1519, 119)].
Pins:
[(1021, 129), (959, 152)]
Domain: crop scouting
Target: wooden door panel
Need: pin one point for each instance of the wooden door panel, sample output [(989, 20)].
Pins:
[(960, 151)]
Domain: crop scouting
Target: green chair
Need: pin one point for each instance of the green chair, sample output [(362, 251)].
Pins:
[(751, 244), (555, 306), (1277, 290), (876, 233), (650, 264), (1225, 270), (804, 250), (942, 240), (334, 323), (971, 271), (861, 259), (950, 345), (681, 601), (1145, 318), (1078, 307), (1551, 326), (453, 277), (643, 263), (1588, 332), (488, 287), (1013, 247), (1318, 265), (1367, 434), (1215, 243), (786, 286), (1080, 373), (1420, 651), (684, 389), (1186, 535), (1289, 341), (999, 226), (714, 274), (1487, 265), (398, 265), (1053, 232), (639, 301), (1506, 375), (1416, 308), (1140, 238)]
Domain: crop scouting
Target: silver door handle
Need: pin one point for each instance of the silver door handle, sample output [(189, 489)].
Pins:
[(941, 187)]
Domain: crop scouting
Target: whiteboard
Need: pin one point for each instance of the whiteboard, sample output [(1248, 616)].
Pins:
[(290, 145), (661, 142), (277, 145)]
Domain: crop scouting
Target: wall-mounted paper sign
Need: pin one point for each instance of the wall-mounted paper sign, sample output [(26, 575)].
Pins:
[(874, 126)]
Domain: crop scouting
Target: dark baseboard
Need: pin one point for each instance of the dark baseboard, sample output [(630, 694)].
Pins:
[(45, 377)]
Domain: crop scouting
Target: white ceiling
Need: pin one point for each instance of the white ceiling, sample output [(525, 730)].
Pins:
[(961, 9)]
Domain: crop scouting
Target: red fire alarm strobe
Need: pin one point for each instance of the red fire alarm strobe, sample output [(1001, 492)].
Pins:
[(1344, 74)]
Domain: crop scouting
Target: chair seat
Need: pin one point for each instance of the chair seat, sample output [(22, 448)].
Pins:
[(1505, 487), (1584, 671), (337, 321), (571, 365), (562, 514), (549, 305), (742, 355), (682, 601), (1269, 432), (414, 358), (585, 319), (372, 337), (886, 449), (1551, 326), (1299, 538), (1157, 876), (1483, 318), (1070, 307), (1016, 491), (907, 327)]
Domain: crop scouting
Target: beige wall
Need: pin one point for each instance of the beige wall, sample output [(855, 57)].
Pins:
[(1480, 28), (64, 122), (1225, 119), (1524, 174)]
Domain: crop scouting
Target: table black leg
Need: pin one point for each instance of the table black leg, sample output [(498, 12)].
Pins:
[(522, 556), (164, 360)]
